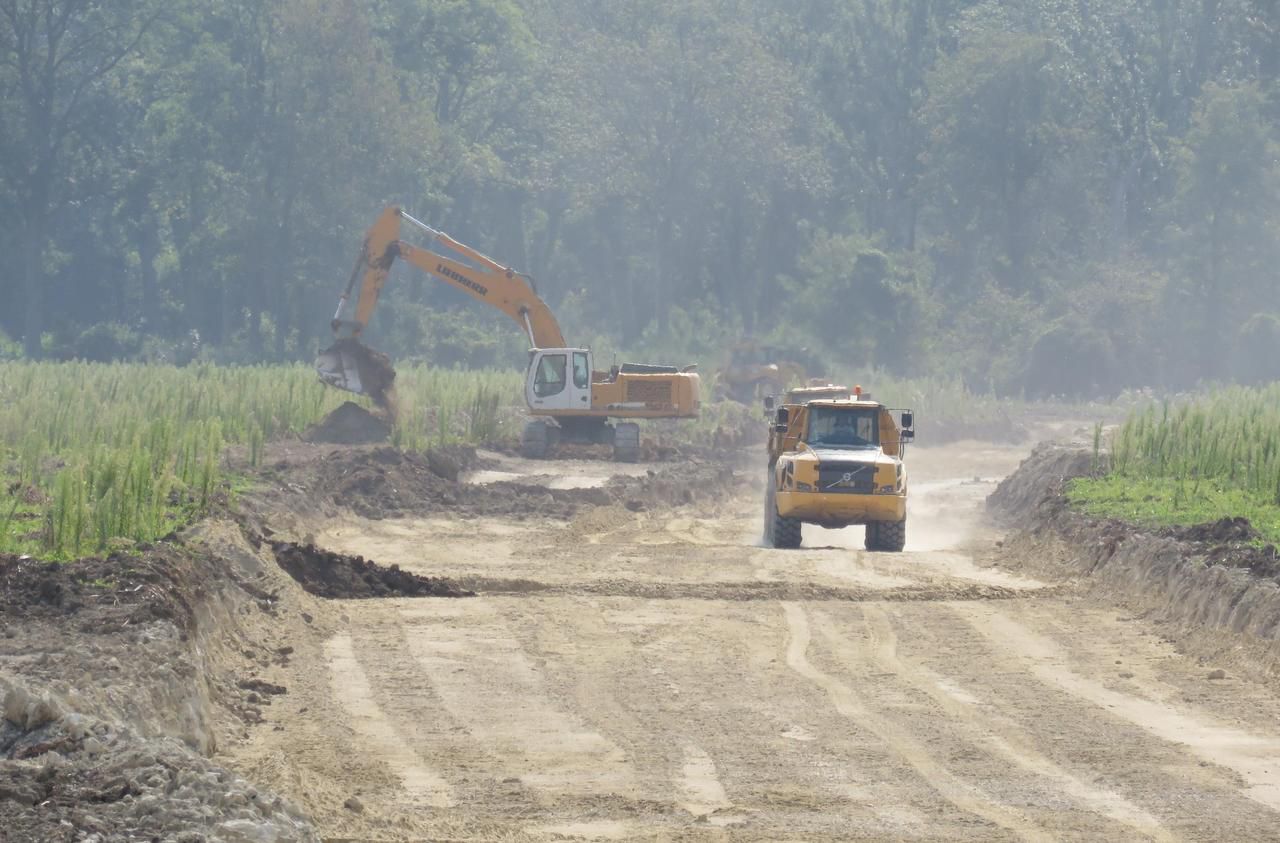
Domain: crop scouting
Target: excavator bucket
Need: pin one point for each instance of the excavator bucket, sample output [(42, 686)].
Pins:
[(350, 365)]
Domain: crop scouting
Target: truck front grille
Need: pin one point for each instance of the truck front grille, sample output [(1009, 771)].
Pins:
[(847, 479)]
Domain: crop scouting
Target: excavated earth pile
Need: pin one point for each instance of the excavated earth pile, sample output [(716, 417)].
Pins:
[(1216, 577), (350, 424), (383, 482), (336, 575)]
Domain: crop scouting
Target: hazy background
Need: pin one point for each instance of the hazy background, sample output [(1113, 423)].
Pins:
[(1041, 196)]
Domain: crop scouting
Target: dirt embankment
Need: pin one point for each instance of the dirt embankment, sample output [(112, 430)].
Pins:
[(1215, 585), (120, 677)]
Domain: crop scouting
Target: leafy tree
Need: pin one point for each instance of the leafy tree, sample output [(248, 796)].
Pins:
[(1229, 174), (57, 61)]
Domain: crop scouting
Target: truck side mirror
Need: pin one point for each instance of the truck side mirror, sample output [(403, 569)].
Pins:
[(768, 403), (908, 435), (908, 421), (783, 419)]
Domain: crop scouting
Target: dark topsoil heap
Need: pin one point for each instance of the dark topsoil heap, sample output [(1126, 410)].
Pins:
[(99, 593), (336, 575), (350, 424)]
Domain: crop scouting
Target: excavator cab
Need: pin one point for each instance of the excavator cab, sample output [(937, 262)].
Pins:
[(559, 379)]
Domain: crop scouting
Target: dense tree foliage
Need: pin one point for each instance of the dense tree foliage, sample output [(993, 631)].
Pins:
[(1043, 196)]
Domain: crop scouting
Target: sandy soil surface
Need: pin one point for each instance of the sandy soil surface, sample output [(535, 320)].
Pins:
[(653, 673)]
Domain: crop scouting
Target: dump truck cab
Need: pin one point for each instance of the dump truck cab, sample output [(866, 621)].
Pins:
[(837, 462)]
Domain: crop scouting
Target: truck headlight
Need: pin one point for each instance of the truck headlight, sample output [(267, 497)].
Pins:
[(803, 487), (887, 490)]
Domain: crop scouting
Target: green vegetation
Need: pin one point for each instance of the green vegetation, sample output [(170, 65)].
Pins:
[(1192, 462), (94, 452)]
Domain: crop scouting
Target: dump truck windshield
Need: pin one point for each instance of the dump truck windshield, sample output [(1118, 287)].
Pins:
[(844, 427)]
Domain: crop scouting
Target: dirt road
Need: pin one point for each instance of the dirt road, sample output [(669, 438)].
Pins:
[(657, 675)]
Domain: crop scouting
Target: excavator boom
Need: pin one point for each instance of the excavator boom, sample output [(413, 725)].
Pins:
[(454, 263)]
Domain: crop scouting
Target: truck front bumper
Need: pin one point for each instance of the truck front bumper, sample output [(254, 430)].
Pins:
[(841, 510)]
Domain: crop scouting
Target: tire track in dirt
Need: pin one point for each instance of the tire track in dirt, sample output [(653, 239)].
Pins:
[(700, 786), (598, 686), (1255, 758), (847, 702), (351, 687), (680, 688), (1002, 737), (478, 668)]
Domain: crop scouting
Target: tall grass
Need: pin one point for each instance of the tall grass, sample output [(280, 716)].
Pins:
[(1212, 457), (90, 453), (1231, 438), (444, 406)]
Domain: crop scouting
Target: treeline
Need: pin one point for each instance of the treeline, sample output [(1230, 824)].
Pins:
[(1044, 196)]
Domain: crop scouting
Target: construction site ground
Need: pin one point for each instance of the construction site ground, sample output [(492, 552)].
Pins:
[(640, 670), (469, 646)]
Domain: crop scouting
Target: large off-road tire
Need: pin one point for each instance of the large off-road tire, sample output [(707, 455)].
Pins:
[(887, 536), (535, 439), (626, 442), (779, 532)]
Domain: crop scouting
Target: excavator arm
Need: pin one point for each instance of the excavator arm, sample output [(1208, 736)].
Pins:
[(452, 262)]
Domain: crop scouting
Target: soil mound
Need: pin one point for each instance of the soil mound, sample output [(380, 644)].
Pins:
[(350, 424), (383, 482), (338, 576), (71, 777)]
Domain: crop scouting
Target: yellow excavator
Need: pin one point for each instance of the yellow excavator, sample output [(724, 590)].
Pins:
[(568, 397)]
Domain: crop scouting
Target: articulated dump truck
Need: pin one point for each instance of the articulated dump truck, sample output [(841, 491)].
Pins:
[(837, 462)]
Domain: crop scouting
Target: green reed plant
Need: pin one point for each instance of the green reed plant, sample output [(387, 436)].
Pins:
[(1173, 457), (132, 451)]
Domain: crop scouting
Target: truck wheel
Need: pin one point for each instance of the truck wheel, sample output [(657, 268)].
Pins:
[(626, 442), (779, 532), (873, 536), (534, 440), (892, 536)]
